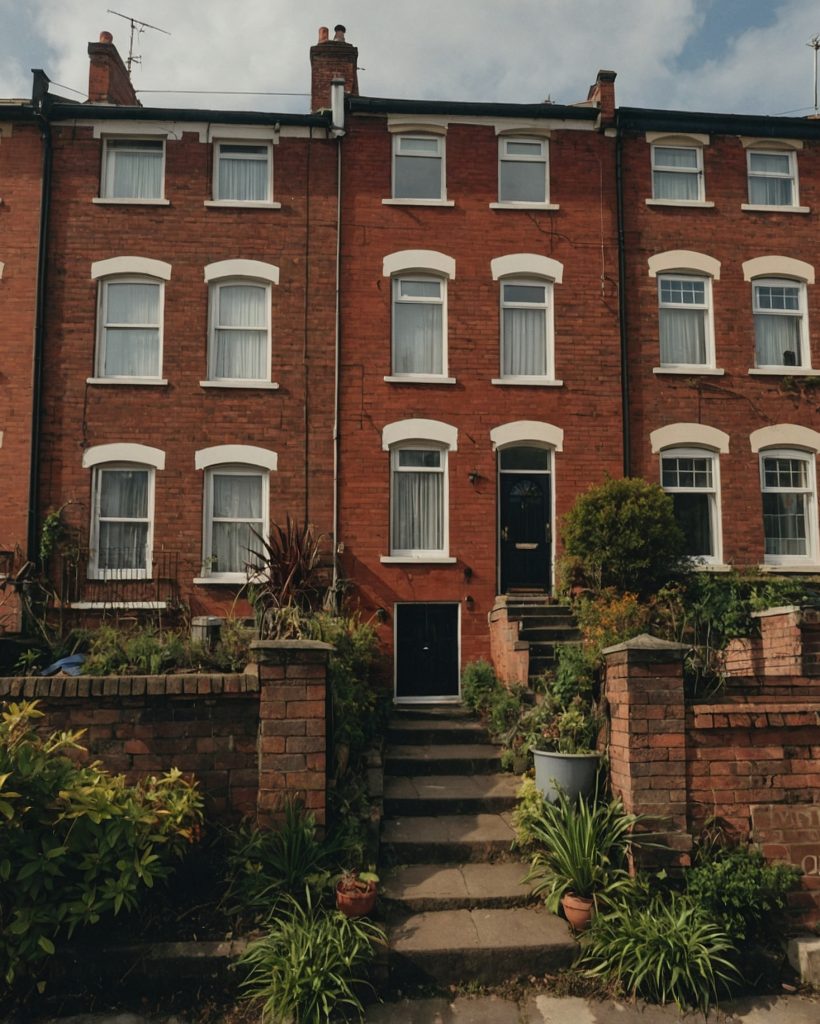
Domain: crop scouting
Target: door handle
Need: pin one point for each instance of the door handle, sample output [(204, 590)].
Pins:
[(505, 533)]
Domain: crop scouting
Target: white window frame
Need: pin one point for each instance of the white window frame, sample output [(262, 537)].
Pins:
[(396, 299), (505, 157), (791, 156), (549, 328), (420, 554), (708, 318), (441, 155), (102, 326), (110, 146), (808, 458), (715, 517), (693, 143), (267, 200), (215, 288), (232, 469), (801, 313), (95, 572)]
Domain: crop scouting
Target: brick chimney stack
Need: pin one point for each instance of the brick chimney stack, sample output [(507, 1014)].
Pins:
[(108, 78), (329, 59), (603, 94)]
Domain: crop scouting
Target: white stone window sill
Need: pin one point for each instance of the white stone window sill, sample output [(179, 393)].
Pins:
[(420, 378), (418, 202), (255, 385), (122, 576), (697, 203), (537, 382), (812, 567), (690, 371), (711, 567), (783, 371), (754, 208), (417, 560), (524, 206), (229, 579), (242, 204), (141, 381), (120, 201), (103, 605)]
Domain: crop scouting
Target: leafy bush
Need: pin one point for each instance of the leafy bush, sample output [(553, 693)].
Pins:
[(665, 949), (148, 651), (75, 842), (505, 709), (740, 890), (309, 964), (266, 864), (625, 535), (286, 564), (478, 683), (609, 618), (526, 813), (574, 675)]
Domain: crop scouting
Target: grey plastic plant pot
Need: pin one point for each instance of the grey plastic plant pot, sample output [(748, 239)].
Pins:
[(574, 774)]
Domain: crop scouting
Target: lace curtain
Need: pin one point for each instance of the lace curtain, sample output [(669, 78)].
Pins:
[(237, 512), (123, 496)]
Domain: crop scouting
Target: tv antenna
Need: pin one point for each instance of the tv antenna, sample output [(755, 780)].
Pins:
[(138, 27), (814, 43)]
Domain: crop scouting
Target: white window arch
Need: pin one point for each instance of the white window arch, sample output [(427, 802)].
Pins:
[(236, 509), (527, 323), (239, 323), (419, 489), (419, 314), (527, 432)]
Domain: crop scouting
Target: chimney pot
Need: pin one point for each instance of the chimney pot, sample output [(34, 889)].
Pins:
[(340, 30), (106, 37), (324, 34)]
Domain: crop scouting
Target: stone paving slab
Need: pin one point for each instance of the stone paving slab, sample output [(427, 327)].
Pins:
[(442, 787), (442, 752), (456, 885), (449, 828)]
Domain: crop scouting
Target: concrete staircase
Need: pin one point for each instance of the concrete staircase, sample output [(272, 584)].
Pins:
[(544, 626), (456, 909)]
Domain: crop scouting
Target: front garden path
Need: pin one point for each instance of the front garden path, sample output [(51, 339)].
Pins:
[(457, 911)]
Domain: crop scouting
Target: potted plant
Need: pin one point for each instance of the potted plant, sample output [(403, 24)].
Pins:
[(565, 758), (581, 854), (356, 893)]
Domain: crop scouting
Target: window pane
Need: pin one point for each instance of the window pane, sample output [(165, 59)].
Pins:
[(683, 336), (418, 512), (420, 289), (522, 182), (785, 297), (682, 292), (242, 305), (124, 493), (525, 458), (777, 340), (413, 457), (123, 546), (525, 293), (667, 185), (243, 173), (784, 524), (417, 341), (408, 144), (524, 342), (770, 191), (675, 156), (687, 472), (693, 513), (789, 473), (233, 546), (133, 169), (417, 177), (130, 302), (237, 496), (770, 163), (532, 149)]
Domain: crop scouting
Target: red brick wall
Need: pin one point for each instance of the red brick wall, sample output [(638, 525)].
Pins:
[(581, 235), (20, 176), (182, 417), (510, 656), (736, 402)]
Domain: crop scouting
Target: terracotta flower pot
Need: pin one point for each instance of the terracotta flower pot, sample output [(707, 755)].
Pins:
[(356, 902), (578, 910)]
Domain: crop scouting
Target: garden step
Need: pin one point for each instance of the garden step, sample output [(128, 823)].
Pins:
[(420, 888), (550, 634), (442, 759), (484, 946), (449, 794), (446, 838), (405, 731)]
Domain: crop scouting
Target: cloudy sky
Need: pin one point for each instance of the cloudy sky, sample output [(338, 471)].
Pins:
[(732, 56)]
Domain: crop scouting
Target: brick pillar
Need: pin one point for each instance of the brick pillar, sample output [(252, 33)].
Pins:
[(647, 747), (292, 725)]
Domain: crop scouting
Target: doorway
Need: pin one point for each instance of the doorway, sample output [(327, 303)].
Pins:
[(524, 518), (427, 652)]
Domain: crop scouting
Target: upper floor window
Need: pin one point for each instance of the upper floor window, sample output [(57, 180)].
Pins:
[(690, 477), (772, 178), (522, 170), (684, 320), (789, 504), (418, 167), (130, 328), (418, 325), (779, 308), (526, 326), (243, 172), (677, 173), (132, 168)]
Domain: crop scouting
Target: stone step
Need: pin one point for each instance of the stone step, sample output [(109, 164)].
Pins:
[(454, 711), (403, 731), (550, 634), (446, 838), (426, 795), (442, 759), (485, 946), (421, 888)]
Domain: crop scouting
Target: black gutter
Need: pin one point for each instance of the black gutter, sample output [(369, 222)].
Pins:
[(22, 111), (622, 318), (40, 107), (98, 112), (377, 105), (645, 119)]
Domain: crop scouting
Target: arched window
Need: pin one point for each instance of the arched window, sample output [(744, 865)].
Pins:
[(419, 312), (239, 331), (527, 321)]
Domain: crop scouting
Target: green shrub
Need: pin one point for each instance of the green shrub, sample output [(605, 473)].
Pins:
[(741, 891), (526, 813), (574, 675), (75, 842), (505, 709), (609, 618), (478, 683), (309, 964), (624, 534), (665, 950)]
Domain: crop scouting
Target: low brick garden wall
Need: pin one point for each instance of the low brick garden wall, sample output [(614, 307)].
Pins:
[(249, 739)]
